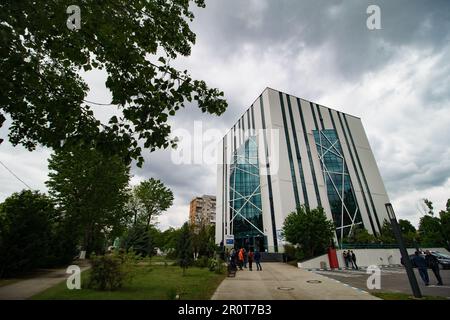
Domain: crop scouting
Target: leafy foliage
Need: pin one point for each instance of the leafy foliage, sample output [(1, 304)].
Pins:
[(154, 198), (184, 248), (90, 187), (445, 224), (132, 41), (203, 241), (138, 240), (430, 231), (25, 232), (110, 272), (310, 229), (360, 235)]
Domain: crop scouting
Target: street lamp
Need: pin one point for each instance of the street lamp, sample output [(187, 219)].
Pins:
[(406, 261)]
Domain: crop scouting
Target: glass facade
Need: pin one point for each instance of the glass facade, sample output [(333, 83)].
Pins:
[(341, 197), (245, 196)]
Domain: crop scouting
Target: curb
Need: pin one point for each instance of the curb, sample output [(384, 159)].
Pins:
[(359, 268)]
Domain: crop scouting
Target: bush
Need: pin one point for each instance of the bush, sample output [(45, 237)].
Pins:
[(289, 252), (201, 262), (216, 265), (110, 272), (293, 254)]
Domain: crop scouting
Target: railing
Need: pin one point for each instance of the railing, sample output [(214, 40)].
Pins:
[(382, 246), (368, 246)]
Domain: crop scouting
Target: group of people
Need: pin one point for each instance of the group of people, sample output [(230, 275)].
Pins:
[(240, 258), (423, 263), (350, 259)]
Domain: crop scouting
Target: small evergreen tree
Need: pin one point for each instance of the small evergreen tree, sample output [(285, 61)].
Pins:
[(184, 248)]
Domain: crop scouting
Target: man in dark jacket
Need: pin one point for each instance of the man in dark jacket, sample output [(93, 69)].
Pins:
[(258, 260), (421, 264), (433, 264), (354, 259)]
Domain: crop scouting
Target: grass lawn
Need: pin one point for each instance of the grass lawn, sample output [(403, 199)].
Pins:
[(149, 283), (403, 296)]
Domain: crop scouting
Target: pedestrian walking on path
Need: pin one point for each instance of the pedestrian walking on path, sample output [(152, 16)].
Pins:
[(258, 260), (433, 264), (250, 259), (241, 258), (421, 264), (345, 256), (353, 256)]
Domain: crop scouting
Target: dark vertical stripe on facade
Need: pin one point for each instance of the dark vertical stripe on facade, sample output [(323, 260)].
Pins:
[(291, 160), (362, 173), (248, 122), (316, 126), (239, 131), (308, 149), (297, 153), (242, 130), (234, 138), (354, 166), (269, 179), (253, 119), (320, 116)]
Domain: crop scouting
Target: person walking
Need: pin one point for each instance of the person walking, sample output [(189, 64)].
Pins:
[(421, 264), (241, 258), (250, 259), (258, 260), (354, 260), (433, 264), (344, 255)]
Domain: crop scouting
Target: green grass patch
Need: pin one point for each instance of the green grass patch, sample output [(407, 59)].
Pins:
[(403, 296), (149, 283)]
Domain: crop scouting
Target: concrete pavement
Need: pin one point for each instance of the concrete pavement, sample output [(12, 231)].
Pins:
[(42, 280), (280, 281)]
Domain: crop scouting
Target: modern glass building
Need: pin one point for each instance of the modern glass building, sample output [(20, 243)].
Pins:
[(285, 152)]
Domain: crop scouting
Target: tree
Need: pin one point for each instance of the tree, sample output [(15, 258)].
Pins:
[(203, 241), (91, 189), (154, 197), (26, 220), (133, 41), (409, 232), (310, 229), (360, 235), (430, 231), (184, 248), (430, 228), (445, 223), (387, 234)]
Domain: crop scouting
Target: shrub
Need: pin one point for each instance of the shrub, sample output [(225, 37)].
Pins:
[(202, 262), (110, 272), (290, 252), (216, 265)]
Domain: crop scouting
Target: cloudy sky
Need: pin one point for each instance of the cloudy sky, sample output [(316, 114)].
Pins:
[(397, 79)]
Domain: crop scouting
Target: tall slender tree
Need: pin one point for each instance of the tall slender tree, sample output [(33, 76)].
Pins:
[(154, 198), (91, 188)]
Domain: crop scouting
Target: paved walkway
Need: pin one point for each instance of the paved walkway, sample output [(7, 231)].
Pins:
[(280, 281), (44, 279)]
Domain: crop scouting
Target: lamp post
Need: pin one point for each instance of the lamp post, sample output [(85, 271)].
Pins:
[(406, 261)]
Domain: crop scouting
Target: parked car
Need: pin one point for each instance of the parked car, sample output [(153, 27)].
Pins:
[(443, 259)]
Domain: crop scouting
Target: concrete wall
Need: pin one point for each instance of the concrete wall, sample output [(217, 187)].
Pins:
[(366, 257)]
